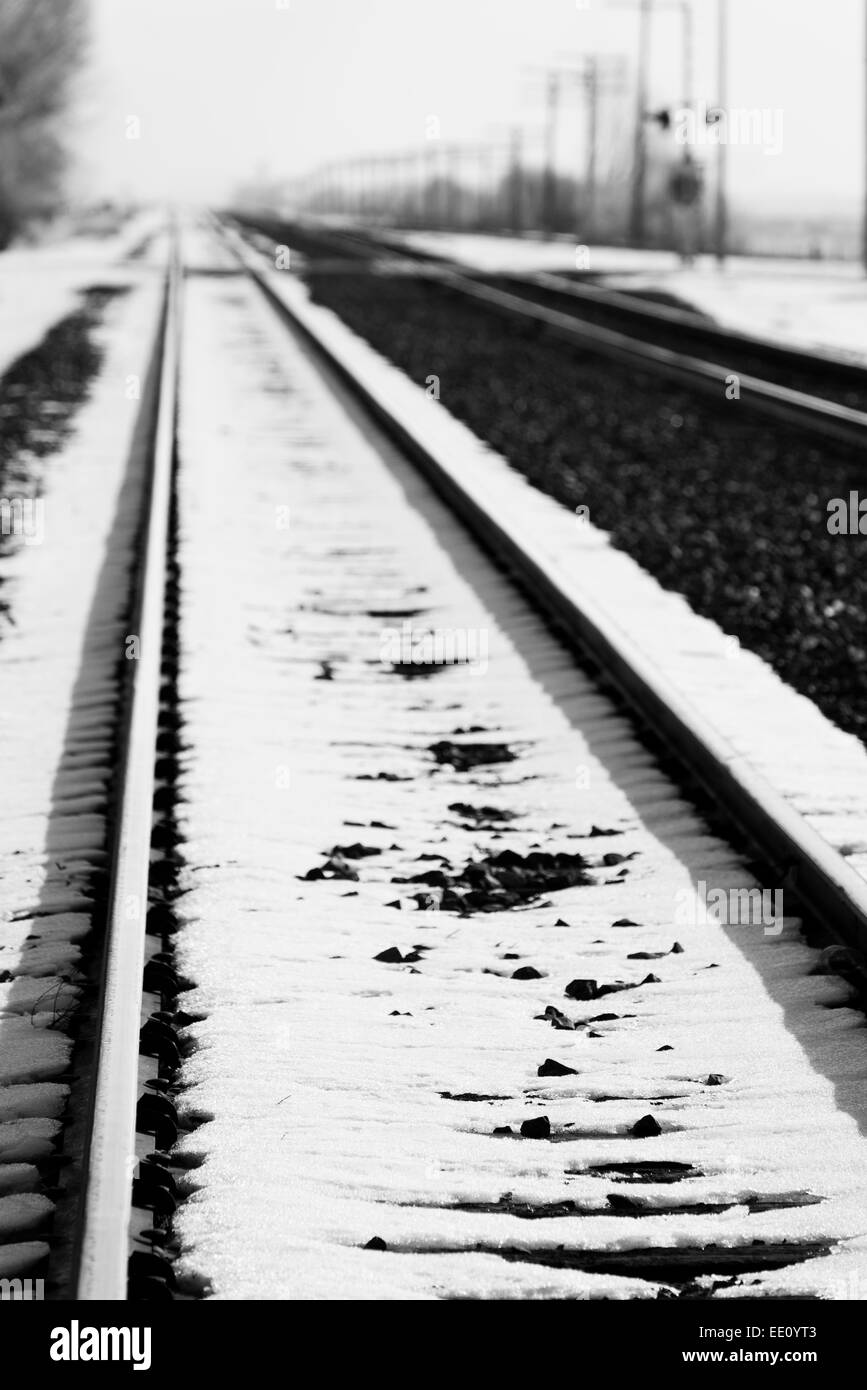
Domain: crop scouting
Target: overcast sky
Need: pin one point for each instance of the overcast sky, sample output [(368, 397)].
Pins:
[(221, 87)]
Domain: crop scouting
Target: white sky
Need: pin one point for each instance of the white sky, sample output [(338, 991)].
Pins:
[(222, 87)]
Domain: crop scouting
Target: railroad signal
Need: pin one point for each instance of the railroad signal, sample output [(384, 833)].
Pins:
[(685, 184), (662, 118)]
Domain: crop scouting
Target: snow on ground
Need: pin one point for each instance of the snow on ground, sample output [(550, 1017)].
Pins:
[(59, 647), (39, 284), (327, 1074), (819, 769), (805, 303)]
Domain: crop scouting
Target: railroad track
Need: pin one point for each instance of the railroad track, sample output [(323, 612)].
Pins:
[(831, 891), (127, 1099), (813, 371), (812, 391), (129, 1139), (109, 1184)]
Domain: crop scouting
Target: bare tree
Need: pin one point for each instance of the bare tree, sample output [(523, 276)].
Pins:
[(41, 47)]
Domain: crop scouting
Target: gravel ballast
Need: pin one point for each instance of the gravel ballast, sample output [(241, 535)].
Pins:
[(713, 501)]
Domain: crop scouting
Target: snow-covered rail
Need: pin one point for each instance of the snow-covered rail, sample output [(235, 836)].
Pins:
[(380, 1114), (488, 1042), (808, 389), (110, 1152), (828, 888), (797, 408)]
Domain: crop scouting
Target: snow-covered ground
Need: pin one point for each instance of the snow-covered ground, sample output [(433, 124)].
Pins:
[(39, 284), (60, 643), (335, 1079), (353, 1099), (806, 303), (819, 769)]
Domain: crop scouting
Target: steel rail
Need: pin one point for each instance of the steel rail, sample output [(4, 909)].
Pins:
[(106, 1201), (798, 409), (628, 306), (786, 354), (828, 888)]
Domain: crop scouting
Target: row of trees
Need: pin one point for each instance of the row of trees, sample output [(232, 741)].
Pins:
[(41, 47)]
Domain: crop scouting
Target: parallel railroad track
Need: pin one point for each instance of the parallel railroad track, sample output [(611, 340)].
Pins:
[(829, 888), (121, 1195), (110, 1186), (831, 896), (812, 391)]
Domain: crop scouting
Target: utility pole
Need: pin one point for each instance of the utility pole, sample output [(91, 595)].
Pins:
[(409, 185), (516, 200), (553, 111), (688, 98), (422, 199), (865, 141), (431, 191), (597, 75), (402, 189), (688, 93), (592, 75), (639, 167), (485, 167), (591, 81), (447, 186), (721, 232), (692, 212)]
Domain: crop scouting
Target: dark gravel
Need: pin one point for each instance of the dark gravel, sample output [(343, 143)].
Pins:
[(500, 881), (718, 505), (41, 393), (42, 390), (845, 382)]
